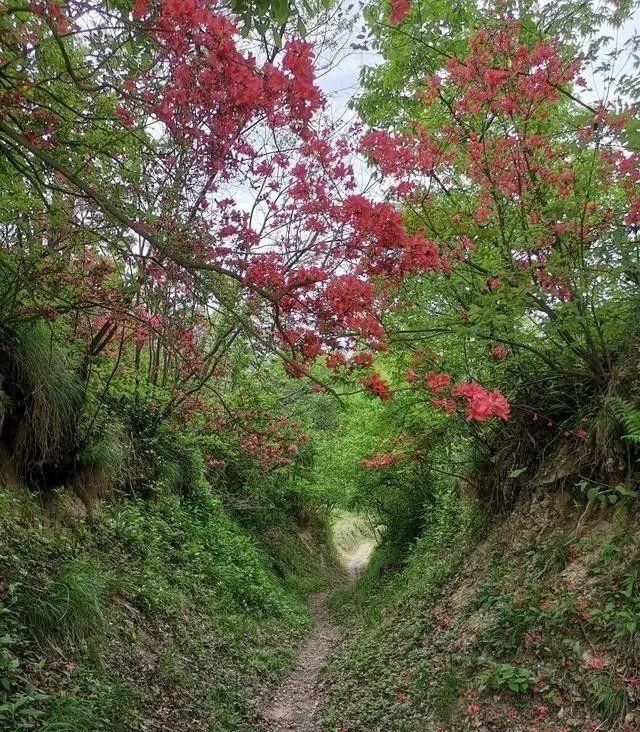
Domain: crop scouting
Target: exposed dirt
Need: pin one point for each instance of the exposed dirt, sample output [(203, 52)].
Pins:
[(298, 701), (297, 705)]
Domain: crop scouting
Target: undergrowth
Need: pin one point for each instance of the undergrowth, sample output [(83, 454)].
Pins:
[(167, 612), (533, 626)]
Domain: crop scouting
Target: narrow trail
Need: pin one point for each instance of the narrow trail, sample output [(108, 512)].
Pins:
[(298, 703)]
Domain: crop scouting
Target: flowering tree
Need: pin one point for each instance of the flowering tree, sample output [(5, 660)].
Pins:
[(200, 173), (527, 192), (171, 188)]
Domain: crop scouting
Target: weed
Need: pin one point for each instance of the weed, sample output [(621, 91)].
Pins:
[(605, 494), (72, 607), (606, 696), (506, 677), (511, 621), (21, 711), (451, 681)]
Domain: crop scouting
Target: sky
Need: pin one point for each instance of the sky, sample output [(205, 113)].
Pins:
[(341, 81)]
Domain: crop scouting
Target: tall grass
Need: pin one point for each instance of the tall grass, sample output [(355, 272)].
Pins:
[(72, 607), (51, 393)]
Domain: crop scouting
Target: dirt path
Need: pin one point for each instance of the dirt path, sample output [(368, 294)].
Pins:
[(359, 559), (298, 702)]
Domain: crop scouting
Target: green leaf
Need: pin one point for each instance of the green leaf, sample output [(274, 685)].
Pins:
[(280, 11), (592, 493)]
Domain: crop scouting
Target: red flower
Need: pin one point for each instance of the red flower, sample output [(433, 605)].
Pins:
[(482, 404), (362, 360), (335, 361), (412, 376), (140, 9), (378, 386), (541, 712), (125, 116), (597, 663), (437, 382), (498, 352)]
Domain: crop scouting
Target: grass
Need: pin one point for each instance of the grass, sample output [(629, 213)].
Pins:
[(72, 607), (607, 697), (52, 392), (451, 682)]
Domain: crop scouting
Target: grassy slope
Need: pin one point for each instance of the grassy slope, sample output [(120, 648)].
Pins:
[(533, 627), (163, 616)]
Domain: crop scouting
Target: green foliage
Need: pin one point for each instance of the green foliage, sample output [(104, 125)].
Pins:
[(619, 615), (511, 619), (506, 677), (21, 712), (71, 607), (558, 359), (271, 17), (630, 418), (607, 495), (177, 575)]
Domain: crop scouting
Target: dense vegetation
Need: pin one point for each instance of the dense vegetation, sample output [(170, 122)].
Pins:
[(216, 338)]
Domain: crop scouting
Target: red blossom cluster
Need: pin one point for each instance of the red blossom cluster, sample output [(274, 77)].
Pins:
[(359, 361), (399, 11), (270, 443), (54, 11), (498, 352), (378, 386), (513, 83), (213, 89), (316, 279), (437, 382), (480, 403), (506, 76)]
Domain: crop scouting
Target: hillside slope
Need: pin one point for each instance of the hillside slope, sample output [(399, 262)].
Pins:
[(529, 624), (160, 615)]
